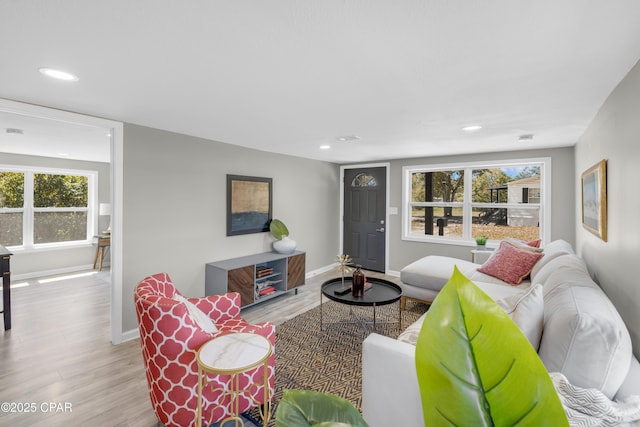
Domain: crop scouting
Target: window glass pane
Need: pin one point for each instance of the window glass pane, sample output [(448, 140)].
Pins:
[(364, 180), (498, 223), (11, 189), (50, 227), (60, 191), (444, 186), (505, 184), (11, 229), (436, 221)]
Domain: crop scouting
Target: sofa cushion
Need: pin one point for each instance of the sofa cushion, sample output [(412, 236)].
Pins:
[(585, 338), (551, 251), (510, 264), (499, 290), (566, 262), (527, 311), (524, 307), (478, 277), (432, 272), (565, 270)]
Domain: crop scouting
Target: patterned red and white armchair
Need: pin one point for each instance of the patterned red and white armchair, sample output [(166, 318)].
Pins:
[(170, 339)]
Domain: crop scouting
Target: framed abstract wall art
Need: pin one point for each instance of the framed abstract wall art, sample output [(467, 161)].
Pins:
[(249, 205), (594, 199)]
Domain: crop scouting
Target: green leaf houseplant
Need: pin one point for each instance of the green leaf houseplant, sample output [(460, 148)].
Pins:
[(280, 232), (305, 408), (481, 241), (476, 368)]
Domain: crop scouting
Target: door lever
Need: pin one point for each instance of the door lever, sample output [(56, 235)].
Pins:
[(381, 229)]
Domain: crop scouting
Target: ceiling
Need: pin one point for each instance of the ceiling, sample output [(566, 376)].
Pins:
[(288, 76)]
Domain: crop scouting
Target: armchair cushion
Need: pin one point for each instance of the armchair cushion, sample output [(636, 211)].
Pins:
[(203, 321)]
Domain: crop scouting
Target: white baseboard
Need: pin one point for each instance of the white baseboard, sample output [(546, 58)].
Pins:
[(131, 334), (393, 273), (324, 269), (320, 270), (66, 270)]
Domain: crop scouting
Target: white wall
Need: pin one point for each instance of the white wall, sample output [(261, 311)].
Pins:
[(49, 261), (614, 135), (175, 207)]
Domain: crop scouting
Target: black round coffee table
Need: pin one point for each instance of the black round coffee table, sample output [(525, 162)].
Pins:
[(382, 292)]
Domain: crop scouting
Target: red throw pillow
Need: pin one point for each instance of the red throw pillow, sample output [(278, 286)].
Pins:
[(510, 264), (534, 243)]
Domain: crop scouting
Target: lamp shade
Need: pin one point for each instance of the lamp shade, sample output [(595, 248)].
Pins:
[(105, 209)]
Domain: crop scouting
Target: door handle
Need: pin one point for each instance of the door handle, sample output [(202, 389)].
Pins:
[(381, 229)]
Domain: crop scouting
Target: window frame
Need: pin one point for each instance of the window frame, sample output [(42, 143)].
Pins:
[(467, 205), (28, 210)]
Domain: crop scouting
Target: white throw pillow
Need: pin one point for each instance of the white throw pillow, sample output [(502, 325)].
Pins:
[(521, 244), (527, 311), (198, 316), (410, 335)]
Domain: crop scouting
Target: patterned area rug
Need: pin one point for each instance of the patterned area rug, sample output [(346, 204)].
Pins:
[(330, 360)]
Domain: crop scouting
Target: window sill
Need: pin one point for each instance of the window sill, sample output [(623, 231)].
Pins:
[(49, 247), (453, 242)]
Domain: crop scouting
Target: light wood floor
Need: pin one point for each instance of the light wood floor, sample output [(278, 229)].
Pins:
[(57, 358)]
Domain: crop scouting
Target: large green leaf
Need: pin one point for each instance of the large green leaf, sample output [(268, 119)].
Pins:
[(304, 408), (476, 368), (278, 229)]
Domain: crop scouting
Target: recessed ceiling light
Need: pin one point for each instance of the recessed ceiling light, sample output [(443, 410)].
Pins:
[(58, 74), (471, 128), (325, 147), (527, 137), (348, 138)]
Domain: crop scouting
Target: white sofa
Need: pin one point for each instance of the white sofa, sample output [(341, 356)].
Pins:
[(583, 338)]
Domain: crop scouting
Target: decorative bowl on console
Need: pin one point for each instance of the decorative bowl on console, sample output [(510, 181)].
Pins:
[(283, 244)]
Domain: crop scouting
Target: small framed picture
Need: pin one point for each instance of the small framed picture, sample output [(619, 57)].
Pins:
[(248, 204), (594, 199)]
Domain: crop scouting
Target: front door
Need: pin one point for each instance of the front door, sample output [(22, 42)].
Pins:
[(365, 201)]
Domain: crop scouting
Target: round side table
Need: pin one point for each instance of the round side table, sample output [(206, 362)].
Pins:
[(232, 355)]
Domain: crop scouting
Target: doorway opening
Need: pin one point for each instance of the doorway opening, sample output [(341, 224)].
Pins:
[(114, 132)]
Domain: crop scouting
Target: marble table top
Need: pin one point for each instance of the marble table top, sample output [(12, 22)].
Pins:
[(234, 352)]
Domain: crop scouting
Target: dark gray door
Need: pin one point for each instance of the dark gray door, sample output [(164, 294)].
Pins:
[(365, 201)]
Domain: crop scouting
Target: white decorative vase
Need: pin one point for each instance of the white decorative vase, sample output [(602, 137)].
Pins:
[(285, 245)]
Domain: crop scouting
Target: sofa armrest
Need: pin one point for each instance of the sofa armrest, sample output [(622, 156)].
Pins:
[(390, 391)]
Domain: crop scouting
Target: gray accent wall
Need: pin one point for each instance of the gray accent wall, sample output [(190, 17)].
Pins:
[(614, 134), (50, 261), (175, 208), (403, 252)]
